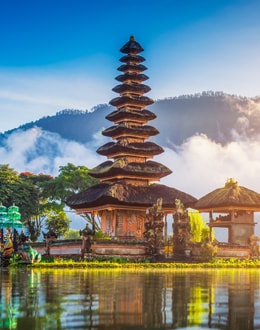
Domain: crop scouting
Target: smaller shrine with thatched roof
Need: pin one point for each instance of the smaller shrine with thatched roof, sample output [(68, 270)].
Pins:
[(235, 206)]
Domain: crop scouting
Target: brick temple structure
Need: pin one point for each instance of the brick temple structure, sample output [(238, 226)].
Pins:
[(127, 178)]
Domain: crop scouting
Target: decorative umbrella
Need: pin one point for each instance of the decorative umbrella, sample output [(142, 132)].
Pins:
[(3, 215), (14, 217), (11, 218), (2, 209), (11, 223)]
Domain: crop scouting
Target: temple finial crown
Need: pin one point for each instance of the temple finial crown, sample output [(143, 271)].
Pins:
[(132, 38)]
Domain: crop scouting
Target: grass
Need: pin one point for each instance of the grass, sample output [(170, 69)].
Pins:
[(120, 263)]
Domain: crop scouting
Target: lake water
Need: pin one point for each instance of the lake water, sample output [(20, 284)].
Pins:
[(91, 299)]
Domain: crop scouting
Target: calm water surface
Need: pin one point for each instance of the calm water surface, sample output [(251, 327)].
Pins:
[(83, 299)]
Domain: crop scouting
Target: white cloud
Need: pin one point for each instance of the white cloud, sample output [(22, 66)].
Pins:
[(39, 151), (201, 165)]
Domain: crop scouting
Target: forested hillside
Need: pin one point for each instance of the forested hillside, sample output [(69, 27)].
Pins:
[(71, 124), (219, 116)]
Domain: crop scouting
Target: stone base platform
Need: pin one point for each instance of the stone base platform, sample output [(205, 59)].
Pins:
[(132, 250), (100, 248)]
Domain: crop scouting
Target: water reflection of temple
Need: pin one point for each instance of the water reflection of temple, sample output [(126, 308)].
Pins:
[(234, 303), (178, 300), (129, 300)]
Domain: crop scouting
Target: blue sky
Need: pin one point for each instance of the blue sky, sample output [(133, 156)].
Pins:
[(64, 54)]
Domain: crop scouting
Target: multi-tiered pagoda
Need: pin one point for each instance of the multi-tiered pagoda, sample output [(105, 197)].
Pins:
[(127, 178), (130, 151)]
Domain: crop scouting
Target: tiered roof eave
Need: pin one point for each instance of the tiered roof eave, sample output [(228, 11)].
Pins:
[(124, 114), (150, 170), (128, 176)]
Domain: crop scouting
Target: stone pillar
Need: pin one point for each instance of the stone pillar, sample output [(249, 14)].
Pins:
[(181, 231), (154, 229)]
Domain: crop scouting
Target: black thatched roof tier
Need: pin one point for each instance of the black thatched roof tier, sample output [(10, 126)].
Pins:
[(149, 170), (133, 77), (131, 47), (138, 115), (146, 149), (132, 59), (119, 194), (144, 131), (125, 100), (132, 88), (232, 196), (132, 68)]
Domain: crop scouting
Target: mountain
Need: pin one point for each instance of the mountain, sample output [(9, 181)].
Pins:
[(70, 124), (207, 138), (192, 128), (219, 116)]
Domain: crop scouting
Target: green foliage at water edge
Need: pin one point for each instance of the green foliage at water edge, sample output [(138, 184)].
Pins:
[(120, 263)]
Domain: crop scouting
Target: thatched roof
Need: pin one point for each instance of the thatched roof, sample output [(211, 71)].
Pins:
[(133, 88), (143, 149), (147, 170), (139, 131), (135, 77), (132, 67), (142, 116), (131, 100), (231, 196), (132, 58), (119, 194), (131, 47)]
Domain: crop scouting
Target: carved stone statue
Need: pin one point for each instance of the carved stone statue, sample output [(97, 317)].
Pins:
[(181, 212), (253, 241), (181, 230), (49, 238), (30, 255), (8, 249), (154, 228), (87, 237), (26, 252)]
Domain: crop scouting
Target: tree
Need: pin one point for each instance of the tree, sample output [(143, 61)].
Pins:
[(37, 195), (72, 234), (26, 190), (58, 222), (199, 229), (41, 205), (12, 189), (71, 179), (15, 190)]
